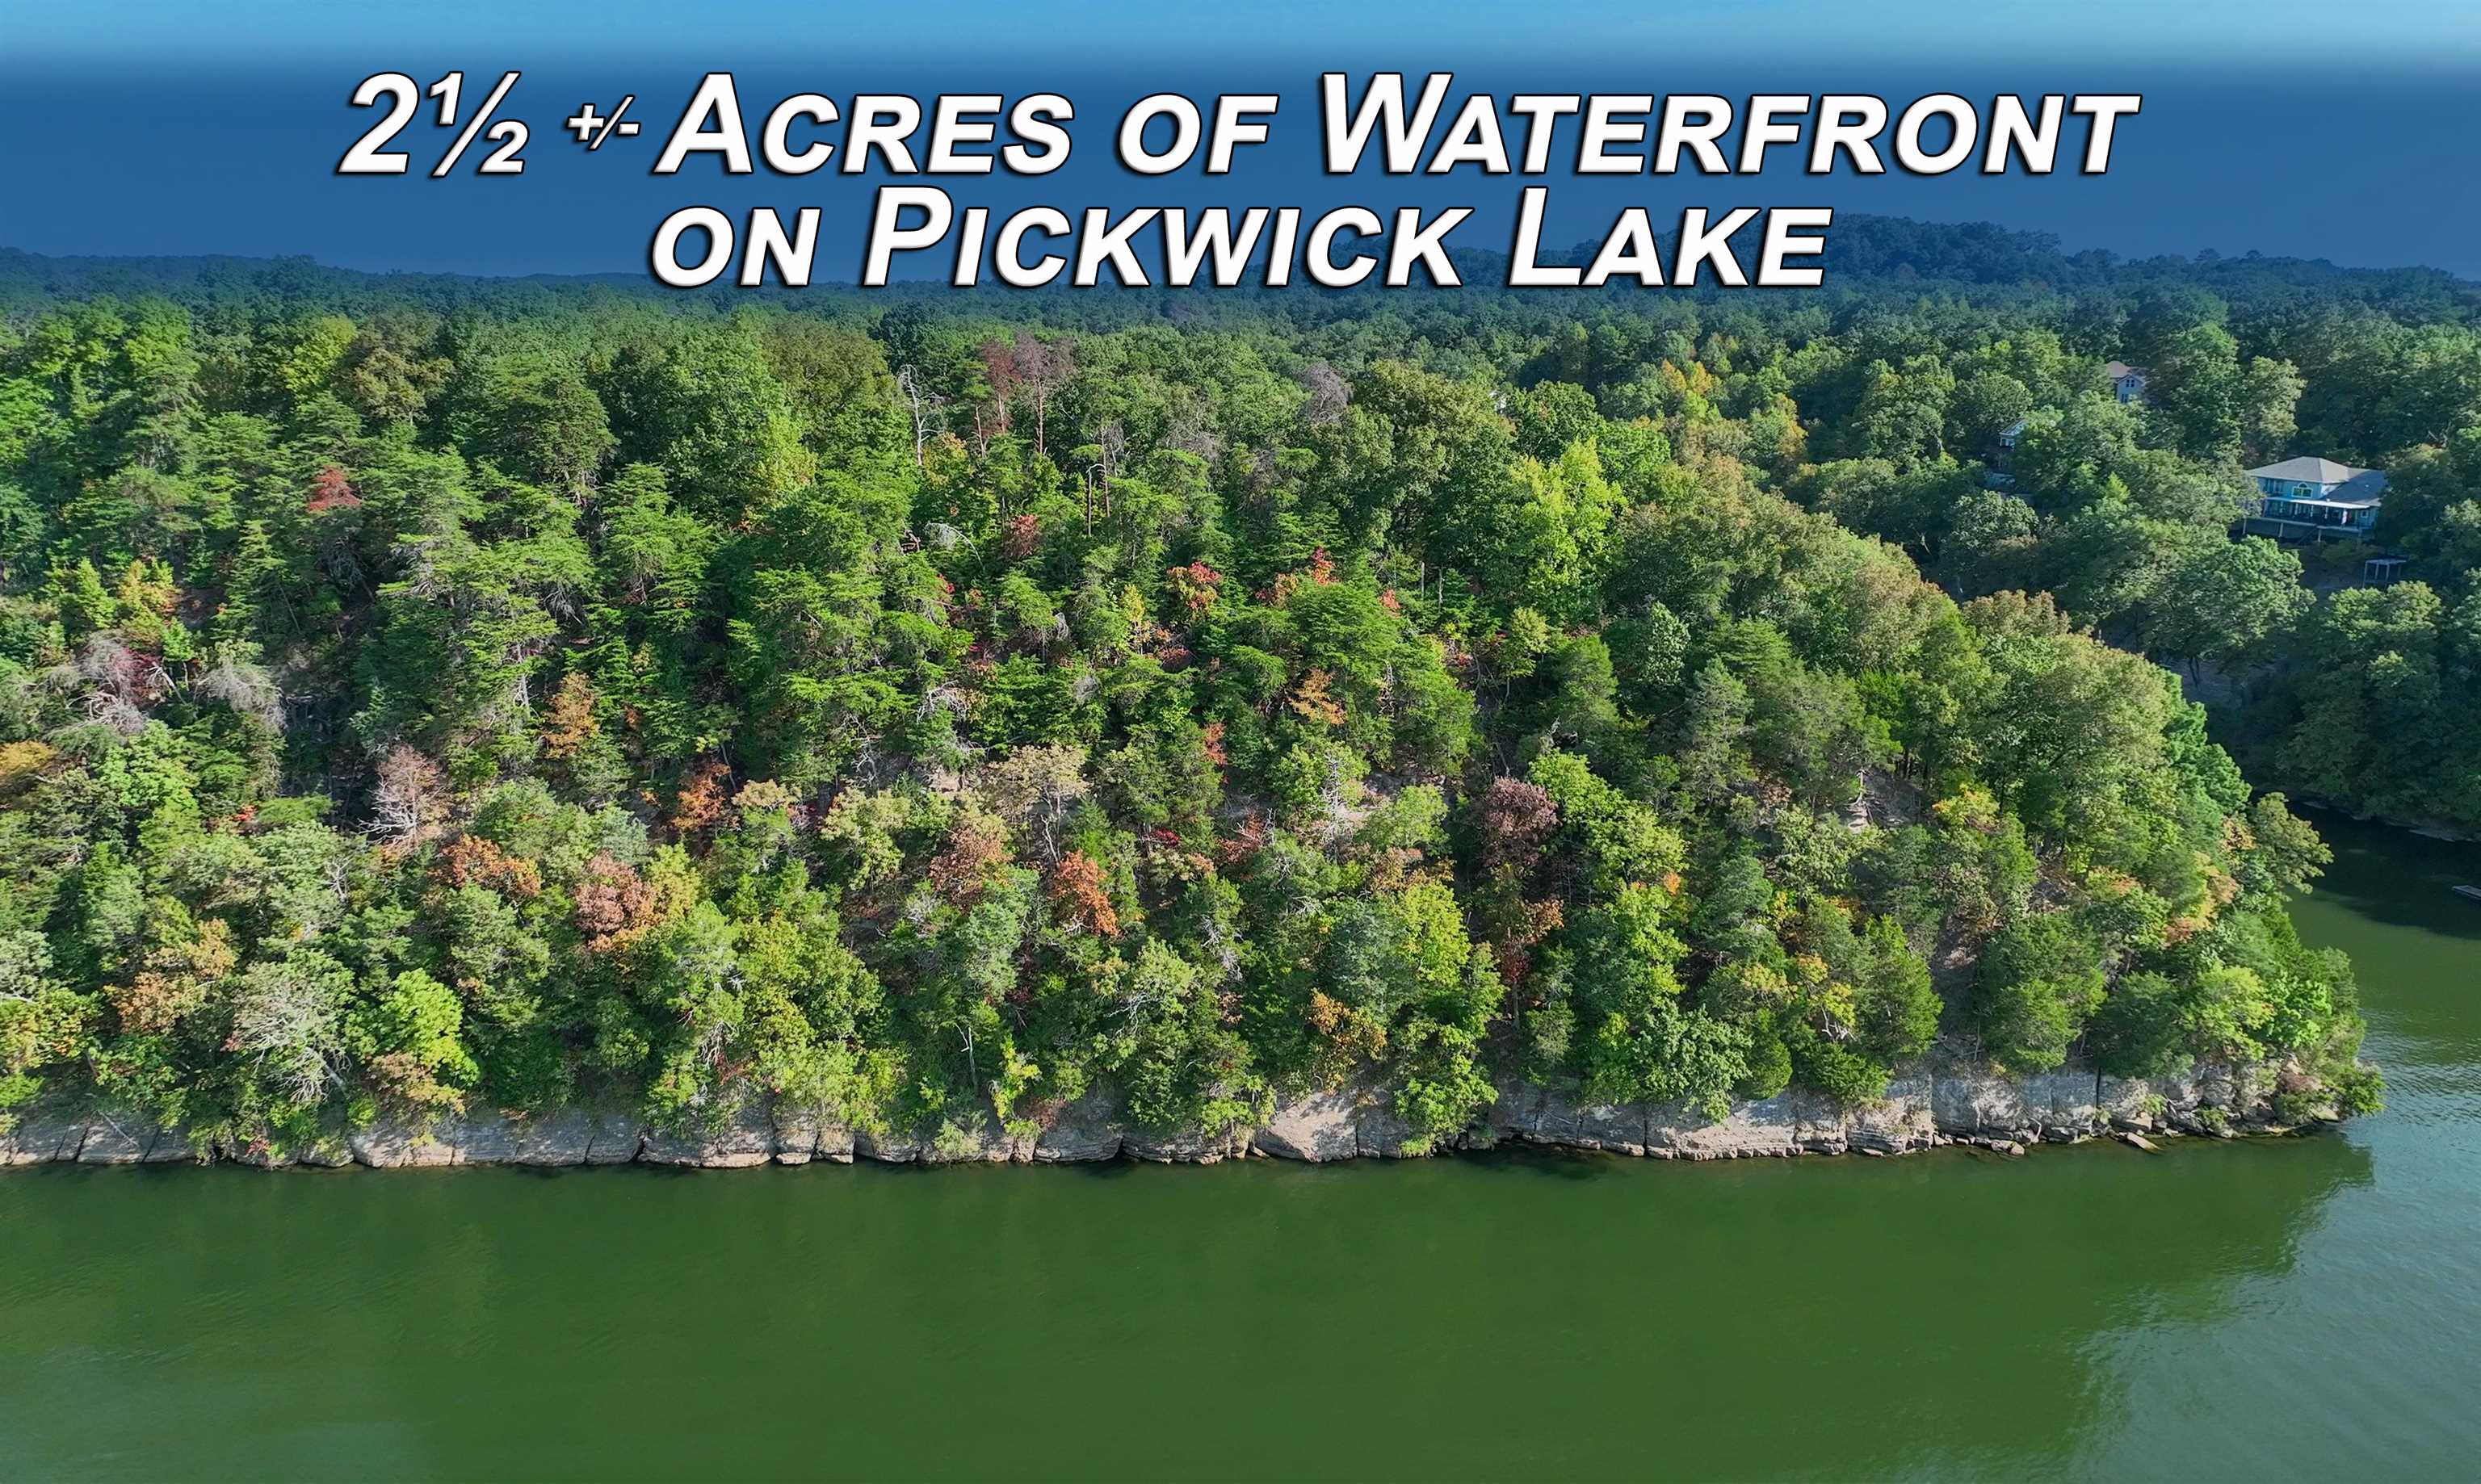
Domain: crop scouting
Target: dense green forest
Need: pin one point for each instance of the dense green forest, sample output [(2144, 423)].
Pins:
[(420, 694)]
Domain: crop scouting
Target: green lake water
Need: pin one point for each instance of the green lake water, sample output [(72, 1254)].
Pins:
[(2285, 1309)]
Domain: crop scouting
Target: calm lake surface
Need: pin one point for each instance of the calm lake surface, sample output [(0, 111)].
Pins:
[(2289, 1308)]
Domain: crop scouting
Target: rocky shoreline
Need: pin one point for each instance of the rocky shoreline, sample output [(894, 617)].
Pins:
[(1926, 1108)]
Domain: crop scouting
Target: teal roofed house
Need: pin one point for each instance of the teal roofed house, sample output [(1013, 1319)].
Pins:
[(2314, 500)]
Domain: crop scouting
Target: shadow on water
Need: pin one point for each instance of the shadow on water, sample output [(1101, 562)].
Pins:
[(1118, 1167), (2395, 877), (1546, 1161)]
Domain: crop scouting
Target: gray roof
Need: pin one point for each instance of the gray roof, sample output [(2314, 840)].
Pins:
[(2118, 369), (2346, 487), (2314, 471)]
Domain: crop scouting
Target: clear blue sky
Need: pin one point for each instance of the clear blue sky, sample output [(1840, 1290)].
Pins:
[(2327, 129)]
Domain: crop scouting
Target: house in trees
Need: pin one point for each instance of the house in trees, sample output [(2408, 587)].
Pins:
[(1996, 458), (2126, 383), (2314, 500)]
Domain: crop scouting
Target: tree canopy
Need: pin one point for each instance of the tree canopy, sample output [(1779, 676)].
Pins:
[(415, 698)]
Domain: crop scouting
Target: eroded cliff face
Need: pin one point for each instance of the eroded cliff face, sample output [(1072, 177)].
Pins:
[(1930, 1106)]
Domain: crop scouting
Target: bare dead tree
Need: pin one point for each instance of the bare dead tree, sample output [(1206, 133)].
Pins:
[(1043, 368), (1192, 433), (1002, 373), (407, 801), (1329, 394), (924, 405), (285, 1020), (1114, 440)]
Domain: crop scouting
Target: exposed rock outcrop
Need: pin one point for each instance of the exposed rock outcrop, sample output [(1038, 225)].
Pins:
[(41, 1137), (745, 1137), (886, 1146), (1186, 1147), (1930, 1104), (391, 1146), (1560, 1115), (803, 1135), (564, 1137), (114, 1136), (1317, 1128), (1088, 1128)]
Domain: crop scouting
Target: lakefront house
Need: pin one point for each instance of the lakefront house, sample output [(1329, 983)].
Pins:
[(2314, 500), (2126, 383)]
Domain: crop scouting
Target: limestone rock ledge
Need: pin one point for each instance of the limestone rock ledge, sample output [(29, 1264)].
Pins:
[(745, 1136), (95, 1136), (1927, 1106)]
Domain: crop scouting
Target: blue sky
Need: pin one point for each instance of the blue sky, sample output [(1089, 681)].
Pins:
[(150, 127)]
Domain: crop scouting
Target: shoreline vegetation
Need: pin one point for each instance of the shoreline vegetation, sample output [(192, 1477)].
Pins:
[(1923, 1109), (431, 707)]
